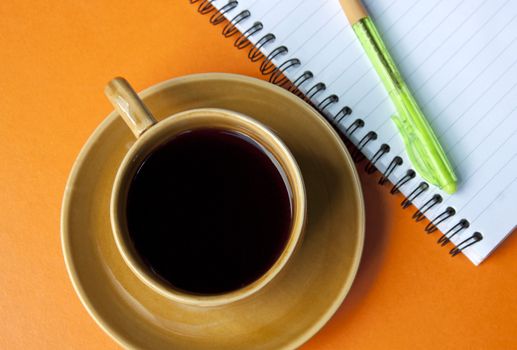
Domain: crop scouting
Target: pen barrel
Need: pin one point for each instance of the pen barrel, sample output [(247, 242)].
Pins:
[(377, 52), (422, 146)]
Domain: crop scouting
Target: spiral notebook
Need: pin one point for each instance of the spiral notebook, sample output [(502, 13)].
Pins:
[(460, 60)]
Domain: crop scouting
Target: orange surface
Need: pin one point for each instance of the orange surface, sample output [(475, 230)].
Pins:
[(56, 57)]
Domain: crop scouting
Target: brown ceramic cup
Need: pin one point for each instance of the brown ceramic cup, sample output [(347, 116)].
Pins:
[(149, 134)]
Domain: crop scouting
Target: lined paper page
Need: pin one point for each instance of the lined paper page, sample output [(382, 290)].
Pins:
[(460, 60)]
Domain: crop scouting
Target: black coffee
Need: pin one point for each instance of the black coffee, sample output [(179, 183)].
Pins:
[(209, 211)]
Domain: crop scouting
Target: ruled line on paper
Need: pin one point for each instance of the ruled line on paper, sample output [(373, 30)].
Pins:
[(451, 13), (490, 180), (461, 70), (303, 22), (290, 13), (456, 52), (481, 162), (484, 115), (496, 197)]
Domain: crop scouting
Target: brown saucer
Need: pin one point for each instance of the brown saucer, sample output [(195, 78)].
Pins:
[(284, 314)]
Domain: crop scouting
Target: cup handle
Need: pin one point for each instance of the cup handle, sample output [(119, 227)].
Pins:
[(129, 106)]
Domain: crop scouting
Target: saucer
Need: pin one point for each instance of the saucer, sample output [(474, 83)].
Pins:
[(285, 313)]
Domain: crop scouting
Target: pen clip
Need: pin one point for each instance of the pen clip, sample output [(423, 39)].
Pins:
[(416, 150)]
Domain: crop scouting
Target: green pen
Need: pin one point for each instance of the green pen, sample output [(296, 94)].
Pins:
[(422, 146)]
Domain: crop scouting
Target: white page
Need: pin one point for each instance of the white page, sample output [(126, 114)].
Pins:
[(460, 60)]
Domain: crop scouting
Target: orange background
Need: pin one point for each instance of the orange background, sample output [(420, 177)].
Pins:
[(55, 58)]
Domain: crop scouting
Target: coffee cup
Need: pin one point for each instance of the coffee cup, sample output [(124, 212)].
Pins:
[(208, 206)]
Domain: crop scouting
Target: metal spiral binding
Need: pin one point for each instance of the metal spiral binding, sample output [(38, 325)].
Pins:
[(357, 124), (410, 174), (357, 154), (205, 7), (315, 90), (419, 214), (370, 166), (395, 162), (267, 66), (297, 86), (231, 27), (467, 242), (219, 16), (278, 77), (255, 53), (421, 188), (453, 231), (301, 80), (345, 111), (329, 100), (243, 39), (446, 214)]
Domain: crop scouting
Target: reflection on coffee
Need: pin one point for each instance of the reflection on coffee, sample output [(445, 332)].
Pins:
[(209, 211)]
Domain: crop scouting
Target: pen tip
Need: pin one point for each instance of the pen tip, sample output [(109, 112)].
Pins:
[(450, 188)]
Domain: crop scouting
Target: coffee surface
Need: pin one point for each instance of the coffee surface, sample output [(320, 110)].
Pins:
[(209, 211)]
